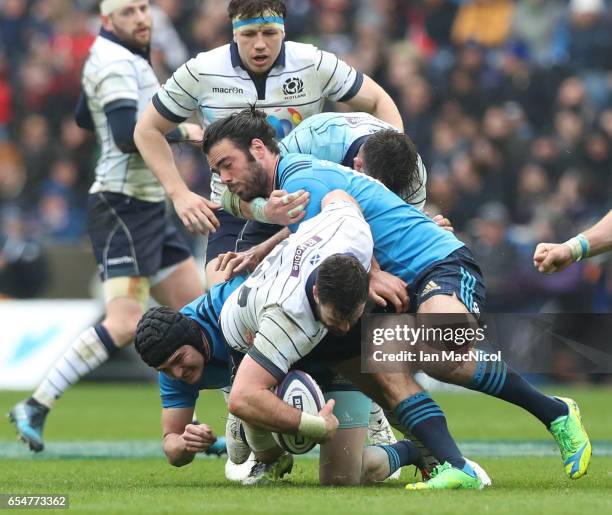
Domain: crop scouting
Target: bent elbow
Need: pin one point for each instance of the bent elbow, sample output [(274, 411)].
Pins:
[(138, 129), (237, 405)]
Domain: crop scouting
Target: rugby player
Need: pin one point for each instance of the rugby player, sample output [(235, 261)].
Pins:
[(289, 81), (359, 141), (189, 351), (369, 145), (365, 143), (441, 275), (138, 250)]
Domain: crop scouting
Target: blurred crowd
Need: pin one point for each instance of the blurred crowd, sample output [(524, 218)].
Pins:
[(508, 101)]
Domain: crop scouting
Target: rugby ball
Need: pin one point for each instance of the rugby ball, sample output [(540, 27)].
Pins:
[(301, 391)]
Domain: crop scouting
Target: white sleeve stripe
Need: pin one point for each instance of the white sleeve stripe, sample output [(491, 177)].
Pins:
[(320, 60), (253, 299), (236, 331), (296, 324), (271, 343), (278, 269), (286, 334), (333, 93), (283, 288), (323, 244), (177, 103), (195, 78), (184, 90), (332, 75)]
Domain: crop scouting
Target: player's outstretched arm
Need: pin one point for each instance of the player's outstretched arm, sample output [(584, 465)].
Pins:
[(182, 439), (373, 99), (235, 263), (197, 213), (253, 401), (554, 257)]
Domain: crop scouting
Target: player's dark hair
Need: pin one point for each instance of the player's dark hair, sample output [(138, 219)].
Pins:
[(242, 128), (246, 9), (391, 157), (161, 331), (342, 281)]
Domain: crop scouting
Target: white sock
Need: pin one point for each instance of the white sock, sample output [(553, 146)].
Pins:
[(86, 354)]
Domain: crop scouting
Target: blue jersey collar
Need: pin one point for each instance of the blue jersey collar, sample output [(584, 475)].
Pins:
[(142, 52)]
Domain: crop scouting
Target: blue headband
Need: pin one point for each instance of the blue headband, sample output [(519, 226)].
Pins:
[(277, 20)]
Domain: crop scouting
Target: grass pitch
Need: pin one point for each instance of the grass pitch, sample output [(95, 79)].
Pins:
[(114, 423)]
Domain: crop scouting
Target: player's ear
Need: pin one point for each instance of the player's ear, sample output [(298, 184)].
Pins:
[(357, 163), (106, 23), (257, 148), (315, 293)]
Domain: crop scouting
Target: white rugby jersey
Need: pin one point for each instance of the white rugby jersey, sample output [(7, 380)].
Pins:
[(111, 74), (216, 84), (270, 315)]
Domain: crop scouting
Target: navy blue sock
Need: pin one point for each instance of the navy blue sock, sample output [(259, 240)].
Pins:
[(497, 379), (106, 339), (421, 416), (401, 454)]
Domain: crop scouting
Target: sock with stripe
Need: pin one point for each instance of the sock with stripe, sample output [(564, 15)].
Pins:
[(92, 348), (495, 378), (421, 416), (401, 454)]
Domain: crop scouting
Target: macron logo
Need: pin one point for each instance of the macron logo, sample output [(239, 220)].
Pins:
[(233, 90)]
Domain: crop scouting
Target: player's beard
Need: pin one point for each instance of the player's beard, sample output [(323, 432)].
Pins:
[(255, 182), (132, 39)]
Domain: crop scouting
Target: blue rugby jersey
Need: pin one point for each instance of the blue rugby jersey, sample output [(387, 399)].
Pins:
[(406, 242), (205, 310)]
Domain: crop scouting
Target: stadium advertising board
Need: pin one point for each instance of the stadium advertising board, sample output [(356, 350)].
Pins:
[(35, 334)]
